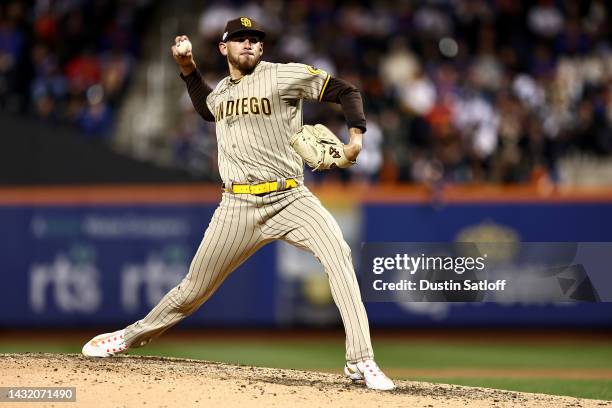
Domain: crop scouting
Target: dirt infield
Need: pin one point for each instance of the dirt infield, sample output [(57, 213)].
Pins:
[(129, 381)]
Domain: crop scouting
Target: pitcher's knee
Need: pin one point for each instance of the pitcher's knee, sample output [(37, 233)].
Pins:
[(339, 262), (346, 249), (346, 254)]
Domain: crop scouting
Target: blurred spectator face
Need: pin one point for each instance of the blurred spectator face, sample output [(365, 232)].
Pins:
[(419, 96), (45, 27), (243, 52), (44, 106), (545, 20), (83, 71), (585, 113)]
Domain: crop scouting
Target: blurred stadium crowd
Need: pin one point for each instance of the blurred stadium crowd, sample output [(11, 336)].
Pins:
[(455, 91), (67, 60)]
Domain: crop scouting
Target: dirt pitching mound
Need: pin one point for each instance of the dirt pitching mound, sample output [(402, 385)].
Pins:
[(130, 381)]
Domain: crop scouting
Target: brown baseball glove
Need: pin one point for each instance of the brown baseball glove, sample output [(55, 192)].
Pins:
[(320, 148)]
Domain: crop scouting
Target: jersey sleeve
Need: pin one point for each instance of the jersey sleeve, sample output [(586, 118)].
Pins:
[(210, 102), (199, 92), (301, 81)]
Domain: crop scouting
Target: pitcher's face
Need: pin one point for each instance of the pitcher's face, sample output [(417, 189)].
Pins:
[(243, 52)]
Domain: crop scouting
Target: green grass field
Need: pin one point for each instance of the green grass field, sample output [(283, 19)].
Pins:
[(550, 364)]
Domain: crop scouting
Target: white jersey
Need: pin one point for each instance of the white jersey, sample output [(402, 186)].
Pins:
[(256, 116)]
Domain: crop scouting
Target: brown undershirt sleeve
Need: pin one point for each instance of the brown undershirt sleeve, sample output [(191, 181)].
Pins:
[(347, 95), (198, 91)]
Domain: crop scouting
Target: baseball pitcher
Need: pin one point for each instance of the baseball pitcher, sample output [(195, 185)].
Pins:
[(262, 147)]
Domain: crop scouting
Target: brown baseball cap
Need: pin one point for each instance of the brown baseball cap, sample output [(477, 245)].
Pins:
[(242, 25)]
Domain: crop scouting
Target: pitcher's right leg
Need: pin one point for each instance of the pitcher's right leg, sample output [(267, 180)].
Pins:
[(231, 237)]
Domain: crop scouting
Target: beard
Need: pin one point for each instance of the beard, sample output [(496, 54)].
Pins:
[(245, 63)]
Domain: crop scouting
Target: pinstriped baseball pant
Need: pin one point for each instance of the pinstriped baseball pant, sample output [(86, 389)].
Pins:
[(240, 226)]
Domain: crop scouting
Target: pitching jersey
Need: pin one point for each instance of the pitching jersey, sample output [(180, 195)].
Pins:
[(255, 117)]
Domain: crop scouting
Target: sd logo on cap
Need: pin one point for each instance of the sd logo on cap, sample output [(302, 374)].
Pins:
[(242, 26)]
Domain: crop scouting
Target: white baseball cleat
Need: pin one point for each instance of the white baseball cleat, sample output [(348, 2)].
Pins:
[(368, 371), (106, 345)]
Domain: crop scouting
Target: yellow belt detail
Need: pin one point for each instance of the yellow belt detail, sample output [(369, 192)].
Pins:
[(262, 188)]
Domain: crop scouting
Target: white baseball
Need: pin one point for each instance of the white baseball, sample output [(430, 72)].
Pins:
[(183, 47)]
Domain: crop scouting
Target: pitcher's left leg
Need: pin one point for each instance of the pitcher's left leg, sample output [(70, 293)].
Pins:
[(313, 228)]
